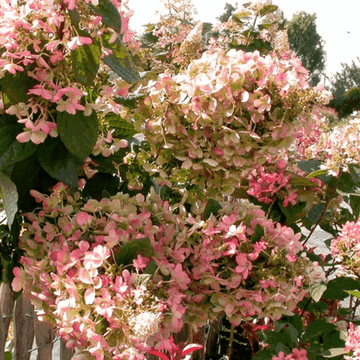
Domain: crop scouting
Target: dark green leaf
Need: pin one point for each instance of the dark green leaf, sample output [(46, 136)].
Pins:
[(336, 288), (120, 60), (212, 207), (98, 183), (317, 290), (309, 166), (11, 151), (346, 185), (26, 175), (355, 173), (268, 9), (315, 213), (130, 250), (149, 38), (74, 17), (293, 213), (281, 347), (123, 129), (263, 355), (58, 162), (131, 101), (15, 87), (78, 132), (85, 62), (355, 205), (121, 67), (258, 233), (151, 268), (109, 13), (316, 329), (273, 338), (9, 197), (293, 334)]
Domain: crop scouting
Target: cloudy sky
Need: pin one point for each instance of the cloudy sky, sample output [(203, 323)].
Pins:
[(337, 22)]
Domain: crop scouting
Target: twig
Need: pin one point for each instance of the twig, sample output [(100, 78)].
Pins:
[(231, 340)]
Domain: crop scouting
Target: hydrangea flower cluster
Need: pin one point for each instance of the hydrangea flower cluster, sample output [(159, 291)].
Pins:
[(345, 249), (295, 355), (353, 343), (338, 148), (265, 184), (39, 39), (221, 117), (123, 273)]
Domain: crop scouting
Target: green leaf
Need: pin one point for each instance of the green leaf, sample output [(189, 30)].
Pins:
[(109, 13), (212, 207), (355, 293), (273, 338), (123, 129), (74, 17), (15, 87), (258, 233), (281, 347), (58, 162), (149, 38), (26, 175), (268, 9), (86, 61), (11, 151), (317, 290), (130, 250), (346, 185), (315, 213), (293, 334), (263, 355), (309, 166), (10, 198), (316, 173), (336, 288), (131, 101), (334, 352), (355, 205), (78, 132), (120, 60), (151, 268), (316, 329), (121, 67), (355, 173), (266, 25), (99, 183)]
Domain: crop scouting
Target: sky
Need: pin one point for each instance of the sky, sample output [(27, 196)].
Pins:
[(337, 22)]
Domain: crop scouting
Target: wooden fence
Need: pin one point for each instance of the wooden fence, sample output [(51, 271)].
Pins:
[(26, 328)]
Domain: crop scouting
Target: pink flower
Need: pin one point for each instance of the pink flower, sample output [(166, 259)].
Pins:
[(78, 41), (141, 262), (83, 218)]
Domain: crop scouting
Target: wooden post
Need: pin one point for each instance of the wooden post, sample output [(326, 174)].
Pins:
[(65, 353), (6, 309), (23, 328), (44, 335)]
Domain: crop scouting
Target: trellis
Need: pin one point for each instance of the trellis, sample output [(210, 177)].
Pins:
[(26, 328)]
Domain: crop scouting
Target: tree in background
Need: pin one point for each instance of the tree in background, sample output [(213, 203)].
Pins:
[(308, 44), (228, 11), (345, 86)]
